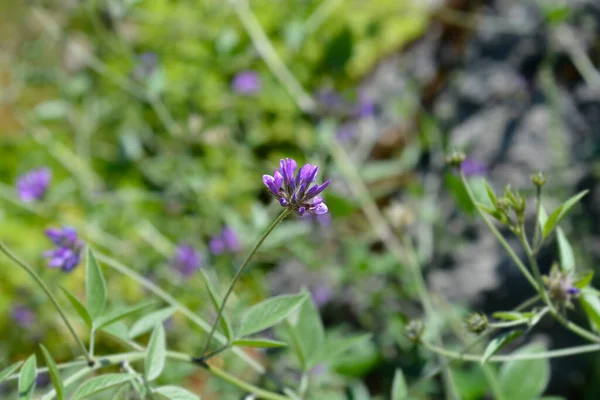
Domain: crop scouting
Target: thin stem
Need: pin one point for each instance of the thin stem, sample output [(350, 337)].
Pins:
[(499, 236), (46, 290), (237, 276), (117, 359), (513, 357), (538, 209), (92, 341), (117, 266), (534, 267)]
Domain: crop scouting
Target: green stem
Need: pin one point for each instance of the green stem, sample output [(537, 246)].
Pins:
[(46, 290), (117, 266), (117, 359), (513, 357), (538, 209), (578, 330), (498, 235), (237, 276)]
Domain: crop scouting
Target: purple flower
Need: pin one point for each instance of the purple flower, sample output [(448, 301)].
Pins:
[(473, 167), (226, 241), (186, 260), (321, 219), (346, 133), (246, 82), (329, 98), (67, 253), (147, 63), (365, 107), (321, 294), (34, 184), (23, 316), (294, 193)]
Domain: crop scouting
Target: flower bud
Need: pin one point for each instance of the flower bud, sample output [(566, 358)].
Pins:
[(538, 179), (477, 323), (414, 330), (455, 159)]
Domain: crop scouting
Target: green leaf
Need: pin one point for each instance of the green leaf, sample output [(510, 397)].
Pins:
[(27, 378), (147, 322), (79, 308), (156, 353), (215, 298), (5, 373), (497, 343), (119, 314), (269, 312), (399, 388), (258, 343), (95, 287), (175, 393), (309, 334), (100, 383), (525, 379), (490, 193), (558, 214), (585, 280), (567, 259), (591, 306), (54, 374), (335, 346)]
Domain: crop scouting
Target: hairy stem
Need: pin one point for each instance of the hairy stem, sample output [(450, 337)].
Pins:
[(239, 273), (48, 293)]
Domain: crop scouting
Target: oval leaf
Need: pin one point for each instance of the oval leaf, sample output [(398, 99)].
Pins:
[(147, 322), (5, 373), (585, 280), (399, 388), (591, 305), (156, 353), (567, 259), (175, 393), (309, 334), (558, 214), (79, 308), (54, 374), (258, 343), (525, 379), (95, 287), (100, 383), (27, 378), (119, 314), (269, 312), (499, 342)]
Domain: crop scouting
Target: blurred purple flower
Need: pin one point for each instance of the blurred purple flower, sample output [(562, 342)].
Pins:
[(34, 184), (226, 241), (329, 98), (346, 133), (147, 63), (321, 219), (246, 82), (186, 260), (365, 107), (318, 370), (321, 294), (294, 193), (23, 316), (473, 167), (67, 254)]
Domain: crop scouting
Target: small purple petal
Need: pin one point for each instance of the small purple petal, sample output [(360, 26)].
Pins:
[(283, 202), (301, 210), (269, 182), (217, 245), (33, 185), (186, 260), (231, 240), (473, 167), (320, 209), (278, 180), (246, 82), (23, 316)]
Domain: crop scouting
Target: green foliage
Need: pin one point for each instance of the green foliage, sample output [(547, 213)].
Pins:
[(215, 298), (258, 343), (99, 384), (156, 353), (149, 321), (560, 212), (308, 334), (54, 374), (79, 308), (6, 372), (399, 388), (499, 342), (269, 312), (95, 287), (27, 378), (175, 393), (525, 379)]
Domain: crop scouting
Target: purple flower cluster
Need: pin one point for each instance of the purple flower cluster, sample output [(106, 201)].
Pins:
[(33, 185), (67, 253), (186, 260), (246, 82), (295, 193), (23, 316), (226, 241)]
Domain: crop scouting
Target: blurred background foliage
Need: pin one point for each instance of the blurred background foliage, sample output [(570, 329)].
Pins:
[(131, 104)]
